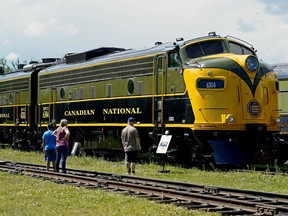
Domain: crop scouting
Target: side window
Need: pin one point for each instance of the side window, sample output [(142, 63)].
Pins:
[(92, 91), (4, 100), (173, 60), (74, 94), (109, 90), (139, 87), (81, 93), (159, 63), (11, 99)]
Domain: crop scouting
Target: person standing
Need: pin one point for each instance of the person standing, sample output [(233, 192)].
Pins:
[(62, 134), (49, 147), (131, 144)]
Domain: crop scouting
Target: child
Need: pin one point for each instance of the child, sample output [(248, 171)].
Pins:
[(49, 147)]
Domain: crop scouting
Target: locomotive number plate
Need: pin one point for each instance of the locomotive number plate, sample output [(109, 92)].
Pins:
[(210, 84)]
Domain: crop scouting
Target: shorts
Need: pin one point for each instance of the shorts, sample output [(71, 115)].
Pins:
[(51, 155), (131, 156)]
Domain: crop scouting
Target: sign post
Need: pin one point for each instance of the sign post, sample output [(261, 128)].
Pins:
[(162, 149)]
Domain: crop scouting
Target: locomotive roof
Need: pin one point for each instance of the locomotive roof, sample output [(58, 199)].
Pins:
[(111, 54), (281, 71), (106, 54), (14, 75)]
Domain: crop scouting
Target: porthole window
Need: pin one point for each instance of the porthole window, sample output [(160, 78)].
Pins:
[(62, 93), (130, 86)]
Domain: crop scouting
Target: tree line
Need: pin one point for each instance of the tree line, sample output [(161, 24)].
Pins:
[(14, 65)]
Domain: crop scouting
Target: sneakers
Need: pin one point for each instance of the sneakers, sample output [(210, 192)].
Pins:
[(130, 173)]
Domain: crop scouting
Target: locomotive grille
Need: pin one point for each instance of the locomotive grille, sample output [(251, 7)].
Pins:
[(139, 67), (19, 85)]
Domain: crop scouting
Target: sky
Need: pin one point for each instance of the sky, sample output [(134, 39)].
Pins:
[(32, 30)]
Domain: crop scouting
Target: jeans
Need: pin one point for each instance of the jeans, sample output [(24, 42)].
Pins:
[(62, 154)]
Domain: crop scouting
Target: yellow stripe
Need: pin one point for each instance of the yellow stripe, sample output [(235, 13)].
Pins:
[(14, 105), (115, 98), (13, 125), (5, 125)]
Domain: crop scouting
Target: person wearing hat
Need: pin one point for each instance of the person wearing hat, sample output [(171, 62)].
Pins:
[(131, 144)]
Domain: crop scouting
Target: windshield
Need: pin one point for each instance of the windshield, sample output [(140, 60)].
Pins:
[(205, 48)]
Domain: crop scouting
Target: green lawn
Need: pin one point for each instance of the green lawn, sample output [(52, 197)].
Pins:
[(20, 195)]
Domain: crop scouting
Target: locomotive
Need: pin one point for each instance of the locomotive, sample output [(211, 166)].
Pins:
[(212, 94), (281, 71)]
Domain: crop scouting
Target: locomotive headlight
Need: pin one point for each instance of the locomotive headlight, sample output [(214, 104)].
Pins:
[(230, 119), (252, 63)]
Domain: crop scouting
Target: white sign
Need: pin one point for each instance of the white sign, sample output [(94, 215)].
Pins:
[(164, 144)]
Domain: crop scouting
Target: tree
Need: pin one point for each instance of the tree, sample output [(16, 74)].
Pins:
[(4, 67)]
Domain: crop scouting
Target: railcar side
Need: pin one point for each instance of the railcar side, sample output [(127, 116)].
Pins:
[(282, 75), (97, 97), (15, 107)]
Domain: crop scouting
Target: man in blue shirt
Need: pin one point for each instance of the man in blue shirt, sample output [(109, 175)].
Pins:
[(49, 147)]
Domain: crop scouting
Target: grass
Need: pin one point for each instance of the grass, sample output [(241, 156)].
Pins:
[(21, 195)]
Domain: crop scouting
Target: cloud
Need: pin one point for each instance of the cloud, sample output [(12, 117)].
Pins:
[(34, 28), (12, 57), (276, 7), (6, 42), (37, 28), (246, 26)]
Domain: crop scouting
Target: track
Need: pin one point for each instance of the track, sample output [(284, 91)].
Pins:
[(228, 201)]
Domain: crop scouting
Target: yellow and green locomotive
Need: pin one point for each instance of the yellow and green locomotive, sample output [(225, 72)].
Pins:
[(212, 94)]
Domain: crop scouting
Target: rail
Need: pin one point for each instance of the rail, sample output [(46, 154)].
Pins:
[(227, 201)]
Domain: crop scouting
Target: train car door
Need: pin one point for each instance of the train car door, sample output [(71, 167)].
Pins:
[(53, 99), (16, 107), (16, 115), (160, 69)]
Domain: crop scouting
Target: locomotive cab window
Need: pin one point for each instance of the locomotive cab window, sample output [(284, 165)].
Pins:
[(240, 49), (173, 60)]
